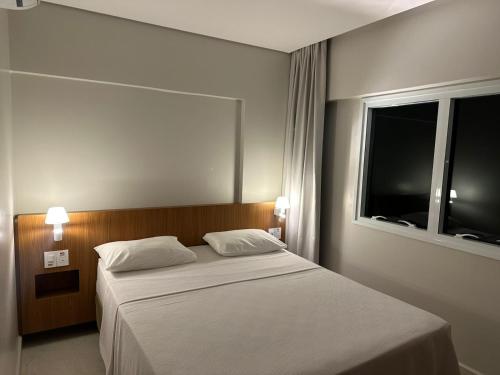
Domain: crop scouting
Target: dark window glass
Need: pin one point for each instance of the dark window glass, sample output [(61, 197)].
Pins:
[(472, 179), (400, 149)]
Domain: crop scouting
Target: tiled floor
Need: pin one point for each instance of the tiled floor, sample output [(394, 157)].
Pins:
[(72, 351)]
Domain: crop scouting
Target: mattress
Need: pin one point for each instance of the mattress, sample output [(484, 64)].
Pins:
[(266, 314)]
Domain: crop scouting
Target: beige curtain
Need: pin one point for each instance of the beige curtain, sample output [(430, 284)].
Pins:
[(303, 149)]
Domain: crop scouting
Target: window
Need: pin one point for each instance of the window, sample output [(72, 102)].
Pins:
[(472, 206), (401, 153), (430, 166)]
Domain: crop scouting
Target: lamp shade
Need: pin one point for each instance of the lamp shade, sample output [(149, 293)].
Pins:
[(453, 194), (56, 215), (282, 203)]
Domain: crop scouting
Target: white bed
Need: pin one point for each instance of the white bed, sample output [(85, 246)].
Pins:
[(266, 314)]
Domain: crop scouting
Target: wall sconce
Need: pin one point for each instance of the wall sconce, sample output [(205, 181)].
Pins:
[(57, 216), (282, 204), (453, 195)]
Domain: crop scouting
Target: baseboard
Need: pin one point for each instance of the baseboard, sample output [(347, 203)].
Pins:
[(19, 350), (467, 370)]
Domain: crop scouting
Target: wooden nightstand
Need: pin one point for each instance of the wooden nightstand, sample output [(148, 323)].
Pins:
[(50, 298)]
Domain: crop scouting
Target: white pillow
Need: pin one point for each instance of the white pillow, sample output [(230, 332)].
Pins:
[(243, 242), (154, 252)]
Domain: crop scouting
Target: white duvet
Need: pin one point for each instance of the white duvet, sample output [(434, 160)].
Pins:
[(266, 314)]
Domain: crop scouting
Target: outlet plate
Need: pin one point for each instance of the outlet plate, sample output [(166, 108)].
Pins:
[(276, 232), (58, 258)]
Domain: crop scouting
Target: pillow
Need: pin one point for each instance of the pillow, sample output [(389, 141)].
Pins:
[(243, 242), (154, 252)]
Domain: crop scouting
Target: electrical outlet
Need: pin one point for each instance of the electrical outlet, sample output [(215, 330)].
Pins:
[(62, 258), (58, 258), (276, 232)]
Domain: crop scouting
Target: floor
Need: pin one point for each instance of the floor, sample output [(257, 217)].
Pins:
[(73, 351)]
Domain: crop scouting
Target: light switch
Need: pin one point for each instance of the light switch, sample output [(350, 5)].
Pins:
[(49, 259), (276, 232), (58, 258)]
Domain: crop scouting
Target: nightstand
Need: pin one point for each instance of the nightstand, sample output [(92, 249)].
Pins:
[(50, 298)]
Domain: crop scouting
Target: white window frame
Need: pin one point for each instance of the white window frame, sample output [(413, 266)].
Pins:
[(444, 95)]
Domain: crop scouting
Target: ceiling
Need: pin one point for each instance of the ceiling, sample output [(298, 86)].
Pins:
[(283, 25)]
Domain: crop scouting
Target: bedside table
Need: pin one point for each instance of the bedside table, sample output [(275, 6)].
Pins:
[(50, 298)]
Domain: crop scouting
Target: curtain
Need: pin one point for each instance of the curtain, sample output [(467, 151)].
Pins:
[(303, 149)]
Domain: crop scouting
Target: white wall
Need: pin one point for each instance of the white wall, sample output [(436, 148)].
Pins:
[(9, 341), (62, 41), (86, 146), (443, 41), (446, 41)]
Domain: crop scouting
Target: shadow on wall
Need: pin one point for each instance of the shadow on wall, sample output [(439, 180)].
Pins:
[(9, 341), (335, 173)]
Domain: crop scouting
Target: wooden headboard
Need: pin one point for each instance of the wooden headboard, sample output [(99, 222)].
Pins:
[(63, 296)]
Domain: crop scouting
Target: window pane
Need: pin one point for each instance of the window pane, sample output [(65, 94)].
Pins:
[(400, 149), (472, 203)]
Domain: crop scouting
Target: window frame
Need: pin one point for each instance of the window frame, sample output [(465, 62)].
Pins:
[(444, 95)]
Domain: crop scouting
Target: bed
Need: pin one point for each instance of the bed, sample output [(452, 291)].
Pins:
[(273, 313)]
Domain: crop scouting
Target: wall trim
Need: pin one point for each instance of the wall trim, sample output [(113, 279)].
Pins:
[(467, 370), (111, 83), (19, 354)]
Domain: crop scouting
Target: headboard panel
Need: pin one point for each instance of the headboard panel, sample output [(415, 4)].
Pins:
[(88, 229)]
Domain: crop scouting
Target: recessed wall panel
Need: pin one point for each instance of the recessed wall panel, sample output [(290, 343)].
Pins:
[(89, 145)]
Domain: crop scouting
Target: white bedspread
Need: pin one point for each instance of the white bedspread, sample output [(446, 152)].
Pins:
[(267, 314)]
